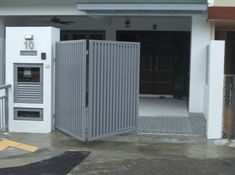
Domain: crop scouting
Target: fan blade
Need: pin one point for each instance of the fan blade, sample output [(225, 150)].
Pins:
[(44, 21), (66, 22)]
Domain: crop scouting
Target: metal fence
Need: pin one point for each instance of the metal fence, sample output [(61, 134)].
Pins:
[(229, 106), (4, 107)]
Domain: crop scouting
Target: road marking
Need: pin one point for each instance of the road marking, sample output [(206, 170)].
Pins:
[(3, 146), (9, 143)]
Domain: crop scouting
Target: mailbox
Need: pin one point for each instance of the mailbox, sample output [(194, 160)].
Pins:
[(30, 58)]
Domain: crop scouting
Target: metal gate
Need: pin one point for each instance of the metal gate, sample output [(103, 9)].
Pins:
[(70, 88), (110, 79), (113, 87)]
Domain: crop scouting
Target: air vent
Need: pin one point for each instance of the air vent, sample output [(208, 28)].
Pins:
[(28, 114)]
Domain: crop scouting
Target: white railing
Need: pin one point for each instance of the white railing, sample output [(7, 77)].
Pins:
[(4, 107)]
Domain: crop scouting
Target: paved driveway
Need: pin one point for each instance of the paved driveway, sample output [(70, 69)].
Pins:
[(126, 154)]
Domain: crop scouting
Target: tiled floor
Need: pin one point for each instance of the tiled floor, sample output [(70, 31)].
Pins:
[(169, 117), (164, 125), (157, 107)]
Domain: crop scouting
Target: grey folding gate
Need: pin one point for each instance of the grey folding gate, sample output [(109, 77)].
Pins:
[(70, 88), (108, 76)]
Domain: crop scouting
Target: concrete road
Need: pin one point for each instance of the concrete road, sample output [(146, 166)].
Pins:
[(128, 154), (170, 165)]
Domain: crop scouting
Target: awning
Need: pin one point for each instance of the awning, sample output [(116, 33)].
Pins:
[(221, 13), (101, 8)]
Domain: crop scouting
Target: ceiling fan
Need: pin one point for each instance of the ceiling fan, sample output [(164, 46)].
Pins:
[(56, 20)]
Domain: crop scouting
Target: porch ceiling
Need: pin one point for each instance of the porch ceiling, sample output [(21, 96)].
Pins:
[(63, 7), (141, 8)]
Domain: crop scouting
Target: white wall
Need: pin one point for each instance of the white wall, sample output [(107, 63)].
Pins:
[(213, 90), (44, 38), (200, 38)]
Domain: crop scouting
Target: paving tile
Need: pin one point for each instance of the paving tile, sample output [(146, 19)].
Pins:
[(194, 125)]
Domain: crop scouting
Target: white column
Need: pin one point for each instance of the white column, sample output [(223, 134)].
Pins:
[(200, 38), (2, 43), (214, 92)]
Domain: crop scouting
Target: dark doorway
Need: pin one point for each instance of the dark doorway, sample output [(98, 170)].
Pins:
[(164, 63), (229, 37), (78, 34)]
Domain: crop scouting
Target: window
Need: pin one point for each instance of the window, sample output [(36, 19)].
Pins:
[(28, 86), (28, 74)]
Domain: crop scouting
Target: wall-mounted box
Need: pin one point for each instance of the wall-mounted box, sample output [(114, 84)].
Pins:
[(28, 83)]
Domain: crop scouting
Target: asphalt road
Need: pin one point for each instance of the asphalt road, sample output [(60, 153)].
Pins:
[(163, 166)]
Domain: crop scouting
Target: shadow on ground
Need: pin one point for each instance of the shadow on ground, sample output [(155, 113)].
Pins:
[(58, 165)]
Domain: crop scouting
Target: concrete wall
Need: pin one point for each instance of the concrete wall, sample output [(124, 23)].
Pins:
[(213, 90), (44, 41), (200, 38)]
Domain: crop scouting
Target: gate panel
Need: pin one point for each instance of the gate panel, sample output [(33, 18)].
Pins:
[(113, 87), (70, 88)]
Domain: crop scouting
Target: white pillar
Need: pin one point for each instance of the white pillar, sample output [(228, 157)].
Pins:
[(200, 38), (214, 90), (2, 55)]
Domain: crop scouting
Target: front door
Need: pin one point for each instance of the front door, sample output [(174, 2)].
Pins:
[(157, 60)]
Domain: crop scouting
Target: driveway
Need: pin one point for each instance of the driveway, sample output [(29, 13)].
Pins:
[(120, 155)]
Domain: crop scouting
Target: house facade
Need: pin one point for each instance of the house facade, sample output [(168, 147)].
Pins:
[(221, 15), (174, 37)]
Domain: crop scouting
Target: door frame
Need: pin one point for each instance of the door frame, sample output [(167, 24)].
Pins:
[(186, 83)]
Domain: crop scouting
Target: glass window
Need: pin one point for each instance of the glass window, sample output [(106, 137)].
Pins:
[(28, 74)]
